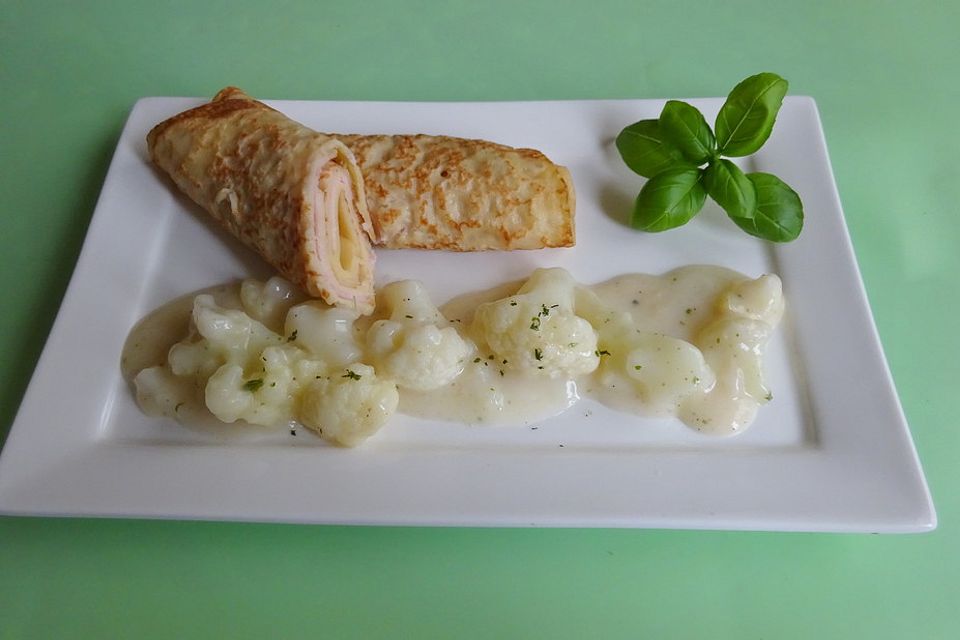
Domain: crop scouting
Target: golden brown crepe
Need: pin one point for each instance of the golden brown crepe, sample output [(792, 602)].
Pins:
[(293, 195), (437, 192), (297, 196)]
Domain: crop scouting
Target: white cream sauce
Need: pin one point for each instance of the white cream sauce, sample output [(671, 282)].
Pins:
[(694, 342), (688, 343)]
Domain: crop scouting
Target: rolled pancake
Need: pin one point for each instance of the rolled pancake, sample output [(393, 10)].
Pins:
[(292, 194), (441, 192), (438, 192)]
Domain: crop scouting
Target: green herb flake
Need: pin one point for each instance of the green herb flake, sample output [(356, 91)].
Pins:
[(292, 336), (253, 385), (538, 354), (601, 352), (535, 323), (353, 375)]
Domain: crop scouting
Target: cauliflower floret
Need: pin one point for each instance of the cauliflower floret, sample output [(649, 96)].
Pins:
[(421, 357), (228, 396), (218, 335), (348, 406), (760, 299), (236, 367), (734, 348), (245, 369), (230, 333), (663, 370), (326, 332), (160, 393), (408, 300), (734, 342), (264, 397), (194, 357), (268, 302), (659, 371), (537, 329), (410, 347)]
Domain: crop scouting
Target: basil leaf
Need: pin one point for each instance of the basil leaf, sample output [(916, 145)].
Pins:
[(779, 214), (644, 150), (684, 126), (728, 185), (669, 199), (746, 118)]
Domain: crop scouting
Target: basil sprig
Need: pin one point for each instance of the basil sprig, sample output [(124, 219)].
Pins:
[(672, 150)]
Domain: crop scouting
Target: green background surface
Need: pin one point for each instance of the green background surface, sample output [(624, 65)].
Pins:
[(885, 77)]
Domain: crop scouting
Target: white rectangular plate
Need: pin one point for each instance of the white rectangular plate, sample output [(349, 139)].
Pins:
[(832, 452)]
